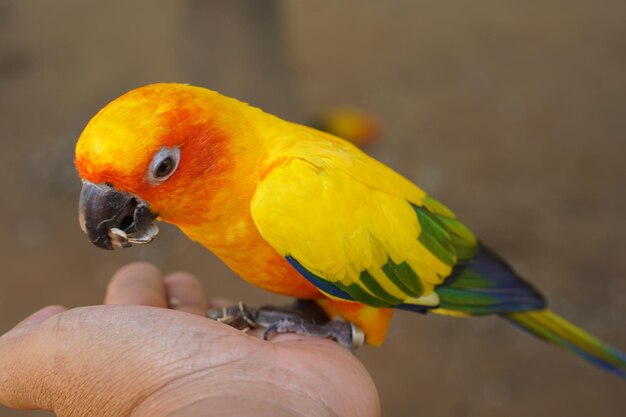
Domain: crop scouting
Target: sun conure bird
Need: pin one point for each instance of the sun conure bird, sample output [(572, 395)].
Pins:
[(297, 212)]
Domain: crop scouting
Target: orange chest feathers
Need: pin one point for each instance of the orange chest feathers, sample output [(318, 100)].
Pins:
[(239, 245)]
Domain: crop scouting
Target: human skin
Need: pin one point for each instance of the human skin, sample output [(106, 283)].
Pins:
[(149, 351)]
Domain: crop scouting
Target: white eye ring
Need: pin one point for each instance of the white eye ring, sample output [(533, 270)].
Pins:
[(163, 165)]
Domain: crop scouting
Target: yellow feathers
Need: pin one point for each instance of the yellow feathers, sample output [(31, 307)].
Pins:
[(341, 215)]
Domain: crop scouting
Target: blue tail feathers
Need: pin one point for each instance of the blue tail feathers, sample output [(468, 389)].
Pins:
[(486, 284)]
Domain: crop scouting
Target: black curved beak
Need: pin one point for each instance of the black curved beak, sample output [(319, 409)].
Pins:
[(114, 220)]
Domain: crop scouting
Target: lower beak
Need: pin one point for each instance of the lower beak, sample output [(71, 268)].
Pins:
[(113, 219)]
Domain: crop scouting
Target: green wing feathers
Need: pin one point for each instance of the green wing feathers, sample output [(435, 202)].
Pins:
[(443, 234)]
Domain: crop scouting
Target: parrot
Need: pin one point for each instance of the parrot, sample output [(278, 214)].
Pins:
[(298, 212)]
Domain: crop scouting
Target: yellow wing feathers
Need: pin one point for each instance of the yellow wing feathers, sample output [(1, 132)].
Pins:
[(350, 221)]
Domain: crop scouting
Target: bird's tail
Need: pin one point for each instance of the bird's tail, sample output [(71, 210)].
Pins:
[(551, 327)]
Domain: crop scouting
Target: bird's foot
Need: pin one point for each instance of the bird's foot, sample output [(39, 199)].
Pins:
[(346, 334), (304, 317)]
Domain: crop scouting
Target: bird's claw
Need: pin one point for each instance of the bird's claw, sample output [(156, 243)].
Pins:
[(238, 316), (303, 317)]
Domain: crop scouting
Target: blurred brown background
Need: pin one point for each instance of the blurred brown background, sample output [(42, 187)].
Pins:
[(513, 113)]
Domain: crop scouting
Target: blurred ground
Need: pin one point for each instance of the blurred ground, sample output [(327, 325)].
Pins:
[(513, 113)]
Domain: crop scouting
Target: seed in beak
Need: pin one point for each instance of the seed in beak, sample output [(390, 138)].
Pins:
[(120, 239)]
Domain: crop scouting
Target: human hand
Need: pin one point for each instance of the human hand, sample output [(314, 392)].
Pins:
[(135, 357)]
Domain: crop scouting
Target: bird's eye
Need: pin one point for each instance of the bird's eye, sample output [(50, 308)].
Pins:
[(163, 164), (164, 168)]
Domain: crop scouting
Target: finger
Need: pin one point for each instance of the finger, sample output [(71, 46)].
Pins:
[(185, 293), (138, 283), (40, 316)]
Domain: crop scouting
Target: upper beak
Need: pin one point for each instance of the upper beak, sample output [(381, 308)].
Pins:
[(114, 220)]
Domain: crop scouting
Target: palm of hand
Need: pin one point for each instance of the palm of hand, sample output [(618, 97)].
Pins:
[(138, 360)]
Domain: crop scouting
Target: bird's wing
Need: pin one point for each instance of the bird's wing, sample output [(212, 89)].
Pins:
[(356, 229)]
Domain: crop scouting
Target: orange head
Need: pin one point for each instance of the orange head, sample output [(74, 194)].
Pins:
[(163, 149)]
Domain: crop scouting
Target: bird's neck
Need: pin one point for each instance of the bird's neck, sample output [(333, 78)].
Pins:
[(225, 222)]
